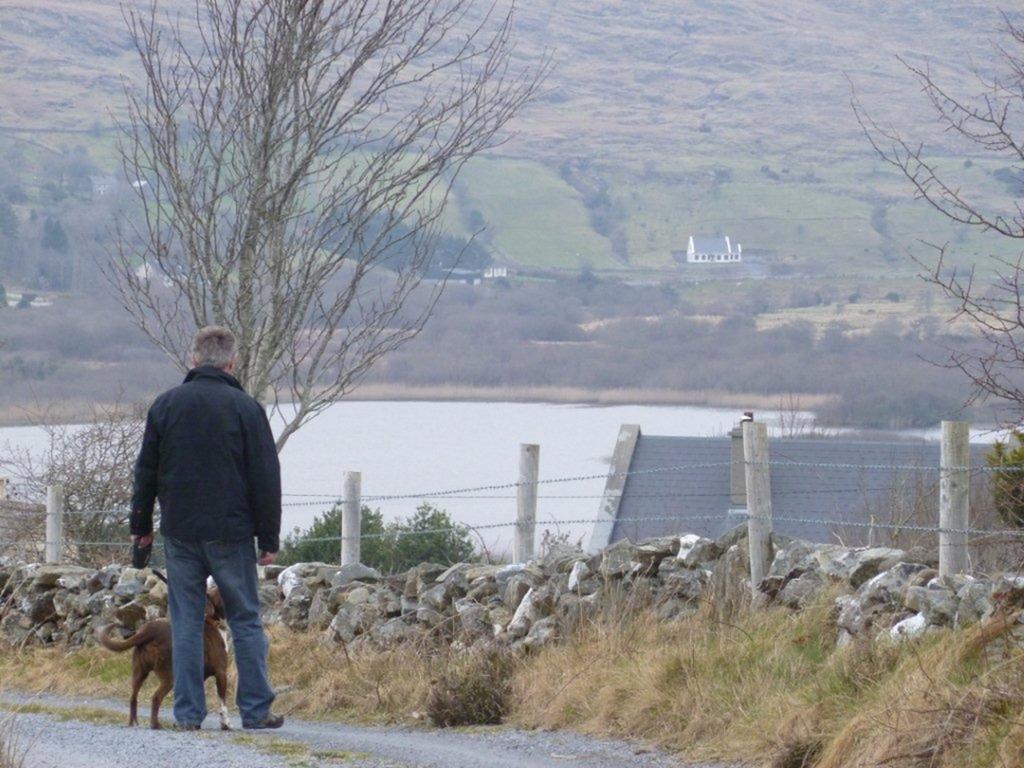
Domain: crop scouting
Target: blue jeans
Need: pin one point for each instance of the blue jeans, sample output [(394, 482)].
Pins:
[(233, 566)]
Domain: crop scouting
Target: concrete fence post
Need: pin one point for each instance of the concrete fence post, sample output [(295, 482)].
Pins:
[(759, 500), (526, 501), (351, 518), (3, 489), (954, 497), (54, 544)]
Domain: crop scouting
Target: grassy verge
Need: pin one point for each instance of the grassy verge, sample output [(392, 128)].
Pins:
[(94, 715), (296, 753), (774, 687), (769, 685), (315, 680)]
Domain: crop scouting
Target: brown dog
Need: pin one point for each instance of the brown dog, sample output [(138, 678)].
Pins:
[(152, 653)]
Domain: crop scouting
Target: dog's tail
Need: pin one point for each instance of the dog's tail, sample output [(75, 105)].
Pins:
[(106, 638)]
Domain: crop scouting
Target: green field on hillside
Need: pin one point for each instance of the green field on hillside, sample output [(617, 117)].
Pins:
[(530, 216), (849, 219), (653, 125), (852, 218)]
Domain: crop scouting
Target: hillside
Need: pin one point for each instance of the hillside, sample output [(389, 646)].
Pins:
[(637, 79), (661, 118)]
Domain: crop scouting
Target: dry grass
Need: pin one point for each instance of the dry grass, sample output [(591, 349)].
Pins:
[(770, 684), (89, 672), (774, 685), (585, 395), (697, 686), (956, 703), (474, 690), (12, 754), (321, 680), (315, 680)]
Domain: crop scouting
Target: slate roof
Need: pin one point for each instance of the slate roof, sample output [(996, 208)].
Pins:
[(835, 494), (710, 245)]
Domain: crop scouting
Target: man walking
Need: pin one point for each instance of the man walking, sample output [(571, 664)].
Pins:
[(209, 456)]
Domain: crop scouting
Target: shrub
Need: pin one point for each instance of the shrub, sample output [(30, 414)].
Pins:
[(430, 535), (1007, 458), (319, 542), (474, 690)]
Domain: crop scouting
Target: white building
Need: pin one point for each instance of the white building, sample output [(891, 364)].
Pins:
[(707, 250), (145, 272), (102, 185)]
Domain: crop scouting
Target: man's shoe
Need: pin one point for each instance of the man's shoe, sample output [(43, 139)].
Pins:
[(185, 727), (268, 722)]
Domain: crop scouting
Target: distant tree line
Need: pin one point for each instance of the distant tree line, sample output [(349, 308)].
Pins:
[(583, 331), (54, 220)]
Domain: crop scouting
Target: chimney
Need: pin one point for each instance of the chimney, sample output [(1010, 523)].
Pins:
[(737, 466)]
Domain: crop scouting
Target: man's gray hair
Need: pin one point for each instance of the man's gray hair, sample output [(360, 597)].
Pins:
[(214, 345)]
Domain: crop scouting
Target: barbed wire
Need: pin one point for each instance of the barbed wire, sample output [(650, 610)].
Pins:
[(14, 509), (464, 492), (909, 527), (739, 513), (674, 468), (546, 481), (665, 495)]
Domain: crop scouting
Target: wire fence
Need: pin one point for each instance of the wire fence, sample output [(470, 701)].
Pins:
[(14, 514)]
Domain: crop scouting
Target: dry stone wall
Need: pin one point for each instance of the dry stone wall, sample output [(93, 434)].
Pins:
[(883, 591)]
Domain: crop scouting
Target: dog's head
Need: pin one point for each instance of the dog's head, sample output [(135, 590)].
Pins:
[(214, 605)]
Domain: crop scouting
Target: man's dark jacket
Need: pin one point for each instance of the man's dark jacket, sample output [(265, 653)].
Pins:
[(208, 454)]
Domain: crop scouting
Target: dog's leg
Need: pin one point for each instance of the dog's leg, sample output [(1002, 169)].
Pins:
[(222, 694), (138, 678), (158, 697)]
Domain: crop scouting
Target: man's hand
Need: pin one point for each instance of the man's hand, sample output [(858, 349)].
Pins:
[(268, 558), (143, 541)]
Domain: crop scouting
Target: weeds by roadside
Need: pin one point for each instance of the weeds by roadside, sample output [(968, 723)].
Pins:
[(768, 682), (774, 684), (474, 690), (12, 753)]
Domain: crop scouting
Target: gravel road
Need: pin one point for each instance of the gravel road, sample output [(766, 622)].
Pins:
[(55, 741)]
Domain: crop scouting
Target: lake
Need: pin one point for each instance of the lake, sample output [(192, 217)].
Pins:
[(410, 447)]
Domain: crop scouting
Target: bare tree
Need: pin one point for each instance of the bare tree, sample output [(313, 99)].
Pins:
[(294, 159), (991, 120), (93, 463)]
